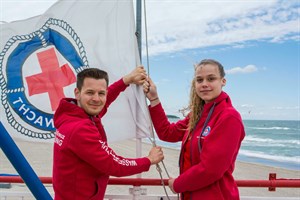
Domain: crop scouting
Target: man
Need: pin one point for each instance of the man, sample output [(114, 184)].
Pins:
[(83, 161)]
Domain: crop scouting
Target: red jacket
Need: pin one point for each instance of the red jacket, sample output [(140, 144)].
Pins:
[(83, 161), (210, 176)]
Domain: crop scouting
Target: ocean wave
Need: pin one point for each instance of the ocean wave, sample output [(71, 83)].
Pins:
[(252, 144), (257, 154), (272, 128), (265, 141)]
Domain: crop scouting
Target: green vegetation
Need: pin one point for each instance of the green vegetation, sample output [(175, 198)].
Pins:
[(172, 116)]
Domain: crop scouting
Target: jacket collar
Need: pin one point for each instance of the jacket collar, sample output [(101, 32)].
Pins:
[(223, 96), (68, 108)]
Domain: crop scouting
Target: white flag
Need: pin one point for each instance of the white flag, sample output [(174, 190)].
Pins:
[(36, 52)]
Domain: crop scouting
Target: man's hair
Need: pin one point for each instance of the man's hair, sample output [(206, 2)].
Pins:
[(90, 73)]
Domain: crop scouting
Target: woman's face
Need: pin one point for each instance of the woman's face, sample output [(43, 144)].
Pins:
[(208, 82)]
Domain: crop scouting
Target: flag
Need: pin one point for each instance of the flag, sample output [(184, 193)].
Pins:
[(41, 56)]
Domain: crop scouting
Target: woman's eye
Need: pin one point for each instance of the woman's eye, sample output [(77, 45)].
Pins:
[(211, 79), (199, 80)]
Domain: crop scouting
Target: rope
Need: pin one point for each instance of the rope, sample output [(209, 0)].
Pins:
[(153, 140), (146, 35)]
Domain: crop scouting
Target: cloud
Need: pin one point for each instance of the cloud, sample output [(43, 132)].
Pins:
[(178, 25), (239, 70), (23, 9), (265, 112), (246, 106), (286, 108), (162, 81)]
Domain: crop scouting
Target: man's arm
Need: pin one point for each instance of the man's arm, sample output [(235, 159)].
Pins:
[(137, 76), (87, 145)]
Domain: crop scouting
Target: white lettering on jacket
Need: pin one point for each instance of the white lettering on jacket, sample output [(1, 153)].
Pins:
[(59, 138), (123, 161)]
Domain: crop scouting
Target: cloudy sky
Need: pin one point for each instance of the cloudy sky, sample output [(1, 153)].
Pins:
[(257, 41)]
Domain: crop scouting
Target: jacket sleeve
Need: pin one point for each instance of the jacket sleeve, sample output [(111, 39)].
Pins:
[(113, 92), (87, 145), (170, 132), (217, 156)]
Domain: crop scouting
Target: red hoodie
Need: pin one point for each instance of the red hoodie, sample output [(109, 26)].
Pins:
[(210, 176), (83, 161)]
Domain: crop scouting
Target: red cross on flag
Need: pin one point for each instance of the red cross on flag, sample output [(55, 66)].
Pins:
[(52, 79), (41, 56)]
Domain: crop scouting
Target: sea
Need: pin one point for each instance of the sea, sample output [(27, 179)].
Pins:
[(274, 143)]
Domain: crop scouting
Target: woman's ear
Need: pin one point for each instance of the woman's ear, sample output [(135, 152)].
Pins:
[(223, 82)]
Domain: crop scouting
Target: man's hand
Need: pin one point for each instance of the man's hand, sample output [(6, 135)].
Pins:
[(137, 76), (155, 155)]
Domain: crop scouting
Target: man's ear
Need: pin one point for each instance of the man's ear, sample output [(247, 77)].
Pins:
[(76, 93)]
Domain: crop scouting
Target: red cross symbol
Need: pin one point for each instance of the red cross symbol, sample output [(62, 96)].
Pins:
[(52, 79)]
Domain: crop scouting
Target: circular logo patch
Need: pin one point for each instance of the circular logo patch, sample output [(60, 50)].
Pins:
[(206, 131), (37, 70)]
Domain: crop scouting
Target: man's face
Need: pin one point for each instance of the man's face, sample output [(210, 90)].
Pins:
[(92, 96)]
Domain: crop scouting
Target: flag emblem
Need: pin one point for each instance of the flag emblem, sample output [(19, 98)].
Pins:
[(70, 35), (36, 71)]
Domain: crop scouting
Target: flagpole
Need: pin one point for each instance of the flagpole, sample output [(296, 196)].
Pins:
[(139, 26), (24, 169), (139, 41)]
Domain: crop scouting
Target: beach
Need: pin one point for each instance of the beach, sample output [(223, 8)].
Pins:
[(39, 155)]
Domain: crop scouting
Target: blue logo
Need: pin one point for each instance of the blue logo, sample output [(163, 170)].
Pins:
[(206, 131), (35, 69)]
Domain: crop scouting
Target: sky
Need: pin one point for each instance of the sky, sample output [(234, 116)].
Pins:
[(257, 41)]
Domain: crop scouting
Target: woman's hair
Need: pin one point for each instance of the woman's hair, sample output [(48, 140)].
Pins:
[(91, 73), (212, 62), (196, 104)]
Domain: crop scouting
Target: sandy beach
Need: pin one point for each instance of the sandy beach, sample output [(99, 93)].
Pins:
[(39, 155)]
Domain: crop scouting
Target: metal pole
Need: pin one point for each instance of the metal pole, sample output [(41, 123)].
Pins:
[(278, 183), (137, 189), (24, 169), (139, 41), (139, 26)]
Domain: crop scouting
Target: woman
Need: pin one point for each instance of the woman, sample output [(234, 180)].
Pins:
[(211, 136)]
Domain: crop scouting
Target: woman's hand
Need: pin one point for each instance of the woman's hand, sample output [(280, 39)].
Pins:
[(151, 92), (171, 182)]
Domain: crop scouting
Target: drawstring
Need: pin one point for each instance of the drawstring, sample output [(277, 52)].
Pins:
[(204, 126), (99, 125)]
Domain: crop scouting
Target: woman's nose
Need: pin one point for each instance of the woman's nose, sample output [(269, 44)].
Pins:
[(204, 83)]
